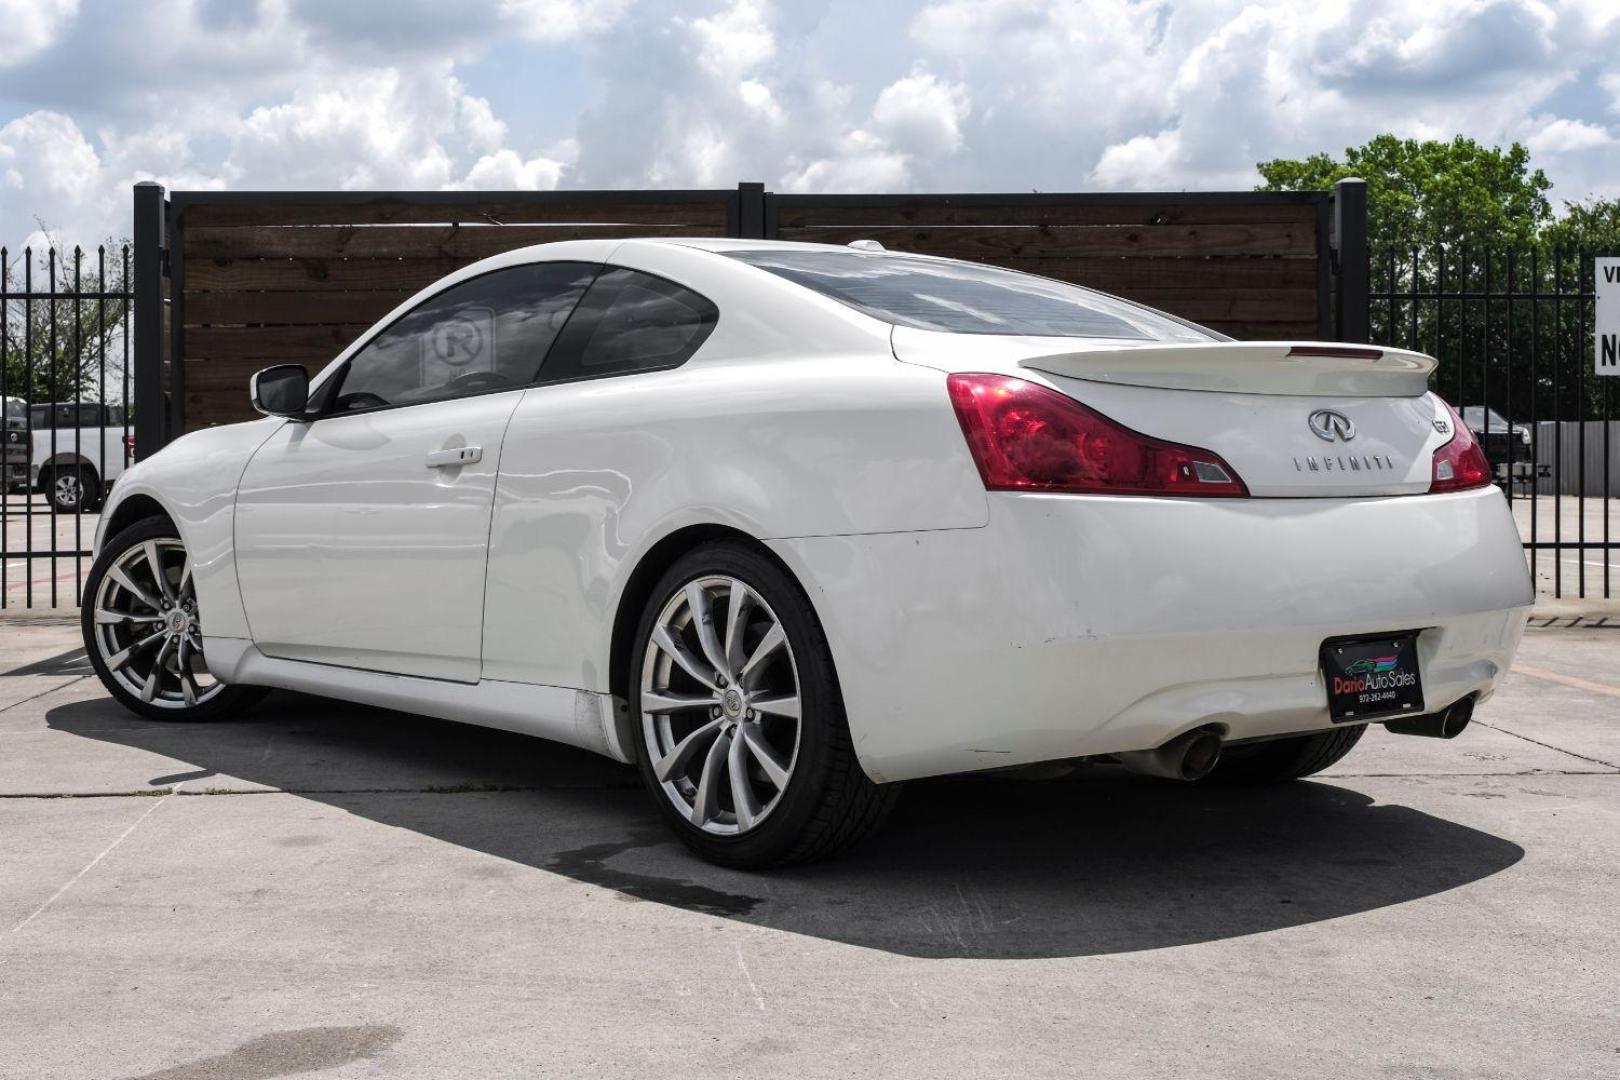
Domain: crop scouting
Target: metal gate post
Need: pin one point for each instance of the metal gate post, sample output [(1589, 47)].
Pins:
[(151, 421), (1350, 265), (751, 211)]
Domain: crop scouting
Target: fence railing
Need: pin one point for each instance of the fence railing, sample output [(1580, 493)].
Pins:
[(65, 379), (1512, 331), (88, 358), (219, 284)]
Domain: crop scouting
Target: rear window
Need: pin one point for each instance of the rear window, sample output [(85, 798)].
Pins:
[(963, 298)]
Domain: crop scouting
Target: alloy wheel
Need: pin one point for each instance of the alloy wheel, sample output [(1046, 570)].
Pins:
[(68, 490), (146, 626), (720, 705)]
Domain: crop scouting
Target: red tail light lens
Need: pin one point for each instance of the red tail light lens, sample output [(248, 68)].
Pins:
[(1461, 462), (1026, 437), (129, 448)]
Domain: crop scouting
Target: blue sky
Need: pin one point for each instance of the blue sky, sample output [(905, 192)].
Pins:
[(812, 95)]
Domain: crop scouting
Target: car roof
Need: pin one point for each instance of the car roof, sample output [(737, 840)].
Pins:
[(721, 244)]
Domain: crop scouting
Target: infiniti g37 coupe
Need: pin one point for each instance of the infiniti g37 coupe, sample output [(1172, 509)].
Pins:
[(786, 524)]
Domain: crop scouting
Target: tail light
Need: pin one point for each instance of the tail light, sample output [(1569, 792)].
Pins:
[(1459, 464), (129, 448), (1026, 437)]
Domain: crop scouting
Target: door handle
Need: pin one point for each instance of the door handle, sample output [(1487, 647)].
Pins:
[(455, 457)]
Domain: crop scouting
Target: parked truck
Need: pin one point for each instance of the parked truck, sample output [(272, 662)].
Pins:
[(79, 449), (14, 458)]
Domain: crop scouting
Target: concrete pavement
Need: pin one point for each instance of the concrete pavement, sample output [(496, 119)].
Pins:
[(327, 889)]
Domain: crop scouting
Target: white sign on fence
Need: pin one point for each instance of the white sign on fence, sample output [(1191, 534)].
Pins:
[(1606, 343)]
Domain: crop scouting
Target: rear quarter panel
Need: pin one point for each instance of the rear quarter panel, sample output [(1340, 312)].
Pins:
[(793, 420), (594, 474)]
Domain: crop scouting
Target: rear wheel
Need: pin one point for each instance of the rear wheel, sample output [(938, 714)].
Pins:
[(1286, 759), (142, 629), (740, 730)]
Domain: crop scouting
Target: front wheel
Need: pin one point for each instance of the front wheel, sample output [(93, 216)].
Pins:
[(142, 629), (740, 731), (74, 488)]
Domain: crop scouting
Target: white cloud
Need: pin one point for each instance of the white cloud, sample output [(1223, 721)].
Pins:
[(1611, 84), (47, 151), (48, 166), (806, 95), (922, 114), (759, 100), (504, 170), (733, 41), (30, 26), (561, 20), (915, 121), (1564, 136), (372, 129), (863, 164), (1143, 161)]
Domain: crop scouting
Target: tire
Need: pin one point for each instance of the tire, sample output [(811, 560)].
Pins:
[(74, 489), (803, 794), (1287, 759), (135, 629)]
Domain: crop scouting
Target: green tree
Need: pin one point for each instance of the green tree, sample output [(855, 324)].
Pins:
[(1423, 194), (64, 349), (1592, 227), (1450, 217)]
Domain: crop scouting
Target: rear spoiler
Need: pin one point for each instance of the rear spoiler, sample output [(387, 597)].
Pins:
[(1250, 367)]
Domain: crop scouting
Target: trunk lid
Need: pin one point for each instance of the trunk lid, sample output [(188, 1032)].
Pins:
[(1292, 419)]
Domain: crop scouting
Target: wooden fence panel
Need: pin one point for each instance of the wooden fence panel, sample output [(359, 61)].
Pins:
[(262, 278), (271, 278), (1251, 265)]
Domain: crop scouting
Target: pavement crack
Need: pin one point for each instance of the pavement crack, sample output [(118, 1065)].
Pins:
[(1550, 746), (91, 865), (42, 693)]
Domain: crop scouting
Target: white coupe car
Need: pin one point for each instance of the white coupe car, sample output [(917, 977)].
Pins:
[(785, 524)]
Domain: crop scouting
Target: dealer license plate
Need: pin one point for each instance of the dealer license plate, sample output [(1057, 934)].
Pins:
[(1372, 678)]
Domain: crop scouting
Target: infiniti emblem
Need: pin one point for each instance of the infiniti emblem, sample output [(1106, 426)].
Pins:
[(1329, 425)]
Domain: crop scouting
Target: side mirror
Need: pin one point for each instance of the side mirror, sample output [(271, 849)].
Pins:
[(282, 390)]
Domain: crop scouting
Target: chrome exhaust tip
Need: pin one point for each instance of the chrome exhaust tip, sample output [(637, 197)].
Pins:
[(1446, 724), (1190, 756)]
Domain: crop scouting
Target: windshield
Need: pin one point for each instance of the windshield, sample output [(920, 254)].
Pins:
[(964, 298)]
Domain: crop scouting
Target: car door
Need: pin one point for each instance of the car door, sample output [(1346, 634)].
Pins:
[(568, 474), (362, 535)]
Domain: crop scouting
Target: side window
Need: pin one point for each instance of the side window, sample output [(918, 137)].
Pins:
[(489, 333), (630, 321)]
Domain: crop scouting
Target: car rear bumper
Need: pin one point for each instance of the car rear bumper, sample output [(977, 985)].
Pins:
[(1072, 626)]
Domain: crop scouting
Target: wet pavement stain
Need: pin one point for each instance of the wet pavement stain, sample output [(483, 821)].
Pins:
[(287, 1053)]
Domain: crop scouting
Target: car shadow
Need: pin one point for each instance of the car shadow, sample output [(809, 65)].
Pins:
[(966, 867)]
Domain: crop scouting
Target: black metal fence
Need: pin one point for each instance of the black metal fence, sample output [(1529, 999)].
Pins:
[(1513, 333), (90, 357), (65, 380)]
